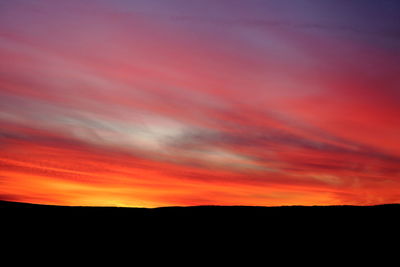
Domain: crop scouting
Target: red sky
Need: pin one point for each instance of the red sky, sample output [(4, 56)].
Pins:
[(144, 103)]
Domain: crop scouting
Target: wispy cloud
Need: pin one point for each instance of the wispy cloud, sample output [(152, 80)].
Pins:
[(103, 107)]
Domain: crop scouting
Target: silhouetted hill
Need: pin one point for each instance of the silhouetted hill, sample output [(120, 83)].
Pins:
[(302, 222), (210, 212)]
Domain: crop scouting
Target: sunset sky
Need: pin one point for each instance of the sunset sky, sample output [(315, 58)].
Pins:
[(150, 103)]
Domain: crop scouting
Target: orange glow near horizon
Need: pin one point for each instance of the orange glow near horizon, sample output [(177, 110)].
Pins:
[(123, 103)]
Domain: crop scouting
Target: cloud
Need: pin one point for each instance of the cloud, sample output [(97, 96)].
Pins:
[(128, 109)]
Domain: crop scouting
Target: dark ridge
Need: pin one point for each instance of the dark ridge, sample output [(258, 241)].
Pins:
[(20, 208), (250, 221), (13, 204)]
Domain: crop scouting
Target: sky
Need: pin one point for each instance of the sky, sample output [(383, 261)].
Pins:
[(188, 102)]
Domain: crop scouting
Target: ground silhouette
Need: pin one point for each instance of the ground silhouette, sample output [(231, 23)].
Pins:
[(211, 212), (323, 223)]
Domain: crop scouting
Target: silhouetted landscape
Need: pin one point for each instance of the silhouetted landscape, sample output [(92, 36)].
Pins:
[(211, 212), (323, 223)]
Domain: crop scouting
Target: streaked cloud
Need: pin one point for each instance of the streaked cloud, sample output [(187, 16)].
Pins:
[(132, 103)]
